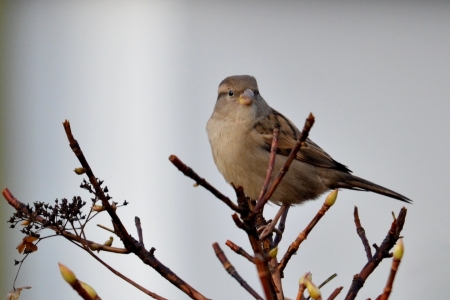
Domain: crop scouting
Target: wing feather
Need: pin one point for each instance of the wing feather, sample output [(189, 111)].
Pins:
[(289, 134)]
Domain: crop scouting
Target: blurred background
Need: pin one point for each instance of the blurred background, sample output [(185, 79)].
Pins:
[(138, 82)]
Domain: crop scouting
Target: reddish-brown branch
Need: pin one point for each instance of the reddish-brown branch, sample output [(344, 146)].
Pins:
[(273, 154), (390, 282), (98, 190), (232, 271), (362, 234), (335, 293), (129, 242), (304, 135), (187, 171), (240, 251), (381, 253), (248, 224), (301, 290), (301, 237)]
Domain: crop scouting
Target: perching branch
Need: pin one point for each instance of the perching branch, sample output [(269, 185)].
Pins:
[(187, 171), (304, 135)]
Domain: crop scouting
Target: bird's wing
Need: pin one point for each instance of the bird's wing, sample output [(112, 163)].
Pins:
[(289, 134)]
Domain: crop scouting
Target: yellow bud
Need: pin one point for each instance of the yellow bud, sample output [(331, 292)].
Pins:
[(67, 274), (331, 198), (307, 276), (25, 223), (273, 253), (91, 292), (109, 242), (313, 291), (80, 171), (398, 249), (114, 205)]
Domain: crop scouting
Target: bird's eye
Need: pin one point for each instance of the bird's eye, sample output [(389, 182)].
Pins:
[(256, 92), (230, 93)]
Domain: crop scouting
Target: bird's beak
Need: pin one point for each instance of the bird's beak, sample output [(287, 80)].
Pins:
[(246, 98)]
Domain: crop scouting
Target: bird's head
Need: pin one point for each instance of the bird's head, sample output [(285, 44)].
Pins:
[(239, 100)]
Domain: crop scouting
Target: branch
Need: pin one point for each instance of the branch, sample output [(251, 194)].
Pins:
[(304, 234), (232, 271), (137, 221), (187, 171), (335, 293), (381, 253), (303, 136), (129, 242), (240, 251), (273, 154), (21, 207), (362, 234)]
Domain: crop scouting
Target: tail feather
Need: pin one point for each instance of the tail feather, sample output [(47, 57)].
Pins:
[(356, 183)]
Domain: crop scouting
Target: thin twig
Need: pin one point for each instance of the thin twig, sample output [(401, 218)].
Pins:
[(129, 242), (137, 221), (268, 229), (303, 136), (273, 154), (335, 293), (362, 234), (21, 207), (301, 237), (232, 271), (394, 268), (281, 227), (381, 253), (106, 228), (187, 171), (240, 251)]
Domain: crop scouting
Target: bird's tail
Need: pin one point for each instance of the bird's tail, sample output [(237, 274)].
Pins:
[(356, 183)]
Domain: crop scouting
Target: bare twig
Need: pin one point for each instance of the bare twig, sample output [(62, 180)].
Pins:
[(232, 271), (84, 244), (381, 253), (268, 229), (281, 227), (303, 136), (129, 242), (273, 154), (362, 234), (105, 228), (240, 251), (301, 290), (19, 206), (301, 237), (335, 293), (398, 253), (137, 221), (201, 181)]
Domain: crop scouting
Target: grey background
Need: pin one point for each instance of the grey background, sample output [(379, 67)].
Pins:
[(138, 82)]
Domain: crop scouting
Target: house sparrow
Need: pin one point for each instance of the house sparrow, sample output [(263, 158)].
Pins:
[(240, 133)]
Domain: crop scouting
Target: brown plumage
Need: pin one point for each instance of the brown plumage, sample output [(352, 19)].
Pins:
[(240, 133)]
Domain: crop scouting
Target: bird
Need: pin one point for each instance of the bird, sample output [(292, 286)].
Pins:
[(240, 132)]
